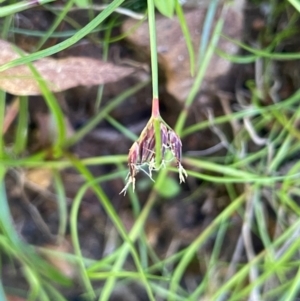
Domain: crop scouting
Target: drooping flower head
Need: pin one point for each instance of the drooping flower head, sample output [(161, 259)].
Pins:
[(143, 151)]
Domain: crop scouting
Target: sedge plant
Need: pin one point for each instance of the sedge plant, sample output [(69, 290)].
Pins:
[(254, 181), (157, 137)]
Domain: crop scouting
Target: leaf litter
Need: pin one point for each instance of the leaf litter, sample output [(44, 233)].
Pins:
[(59, 74)]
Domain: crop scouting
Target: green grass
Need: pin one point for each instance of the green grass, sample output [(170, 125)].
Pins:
[(261, 183)]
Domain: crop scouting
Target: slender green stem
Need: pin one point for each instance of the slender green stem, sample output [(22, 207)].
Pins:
[(154, 68), (2, 113), (153, 48)]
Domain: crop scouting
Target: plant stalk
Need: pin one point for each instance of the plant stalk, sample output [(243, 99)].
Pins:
[(154, 74), (153, 48)]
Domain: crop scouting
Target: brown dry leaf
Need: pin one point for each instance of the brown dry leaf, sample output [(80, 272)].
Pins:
[(173, 53), (59, 74)]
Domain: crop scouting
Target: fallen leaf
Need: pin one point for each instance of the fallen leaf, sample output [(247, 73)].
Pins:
[(59, 74)]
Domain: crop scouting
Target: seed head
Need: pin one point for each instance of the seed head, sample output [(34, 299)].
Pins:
[(143, 151)]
